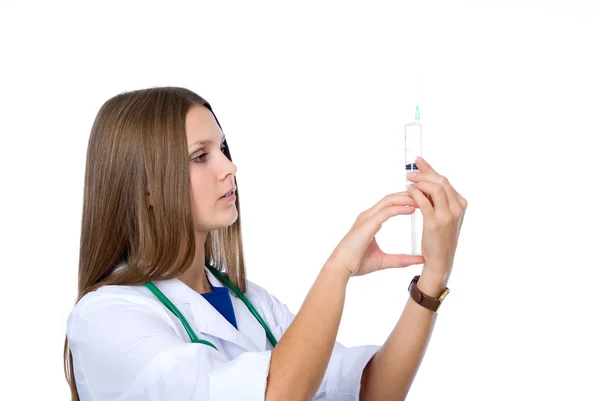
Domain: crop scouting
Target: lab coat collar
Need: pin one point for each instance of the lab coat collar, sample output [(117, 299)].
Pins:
[(250, 335)]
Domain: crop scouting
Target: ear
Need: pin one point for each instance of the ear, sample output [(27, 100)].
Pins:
[(149, 199)]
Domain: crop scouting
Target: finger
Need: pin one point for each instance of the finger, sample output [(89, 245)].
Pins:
[(400, 260), (463, 202), (368, 227), (384, 214), (451, 194), (422, 201), (424, 166), (395, 199), (438, 194)]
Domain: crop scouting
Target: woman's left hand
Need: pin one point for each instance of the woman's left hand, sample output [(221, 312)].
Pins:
[(443, 211)]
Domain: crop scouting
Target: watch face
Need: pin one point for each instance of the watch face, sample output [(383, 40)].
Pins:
[(413, 281), (446, 291)]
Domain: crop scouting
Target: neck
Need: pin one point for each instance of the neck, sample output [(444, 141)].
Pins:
[(195, 276)]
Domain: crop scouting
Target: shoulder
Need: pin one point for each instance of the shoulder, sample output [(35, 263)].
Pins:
[(113, 295), (111, 304), (256, 292), (269, 304), (254, 289)]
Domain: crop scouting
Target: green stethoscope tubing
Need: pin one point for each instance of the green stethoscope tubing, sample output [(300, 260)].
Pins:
[(224, 279)]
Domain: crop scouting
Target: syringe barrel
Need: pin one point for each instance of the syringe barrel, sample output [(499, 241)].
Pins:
[(412, 149), (412, 145)]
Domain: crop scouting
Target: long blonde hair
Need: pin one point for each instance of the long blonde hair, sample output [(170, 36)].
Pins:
[(138, 144)]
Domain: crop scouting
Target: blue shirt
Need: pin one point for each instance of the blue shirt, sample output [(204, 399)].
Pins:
[(220, 299)]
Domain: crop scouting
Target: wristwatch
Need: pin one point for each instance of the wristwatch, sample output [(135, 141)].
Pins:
[(425, 301)]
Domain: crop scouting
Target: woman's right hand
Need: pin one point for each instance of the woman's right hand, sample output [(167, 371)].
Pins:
[(358, 253)]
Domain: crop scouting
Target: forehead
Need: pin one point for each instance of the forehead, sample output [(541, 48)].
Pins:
[(200, 125)]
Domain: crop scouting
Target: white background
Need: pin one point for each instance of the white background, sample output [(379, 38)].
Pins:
[(313, 96)]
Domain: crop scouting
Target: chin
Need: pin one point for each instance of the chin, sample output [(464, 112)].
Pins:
[(232, 220), (218, 219), (228, 218)]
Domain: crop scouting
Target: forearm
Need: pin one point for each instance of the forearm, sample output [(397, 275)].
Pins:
[(300, 359), (390, 373)]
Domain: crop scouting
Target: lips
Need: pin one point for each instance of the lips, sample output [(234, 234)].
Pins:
[(230, 192)]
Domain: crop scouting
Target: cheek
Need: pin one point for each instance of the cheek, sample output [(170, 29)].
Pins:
[(199, 201), (201, 196)]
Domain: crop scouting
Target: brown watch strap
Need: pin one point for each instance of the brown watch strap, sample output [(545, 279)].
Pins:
[(424, 300)]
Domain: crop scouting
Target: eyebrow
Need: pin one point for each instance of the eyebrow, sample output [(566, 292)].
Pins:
[(205, 141)]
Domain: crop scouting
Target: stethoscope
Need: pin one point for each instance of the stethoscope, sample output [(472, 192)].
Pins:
[(163, 298)]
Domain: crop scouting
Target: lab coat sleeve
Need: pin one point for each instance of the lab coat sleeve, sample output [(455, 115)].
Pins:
[(344, 371), (126, 349)]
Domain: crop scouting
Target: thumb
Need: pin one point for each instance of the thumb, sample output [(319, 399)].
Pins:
[(400, 260)]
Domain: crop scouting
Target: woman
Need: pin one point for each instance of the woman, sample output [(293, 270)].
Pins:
[(164, 311)]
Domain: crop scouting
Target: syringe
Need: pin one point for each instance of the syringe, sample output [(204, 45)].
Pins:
[(412, 149)]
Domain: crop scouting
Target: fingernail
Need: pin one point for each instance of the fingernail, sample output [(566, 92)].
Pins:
[(411, 175), (409, 187)]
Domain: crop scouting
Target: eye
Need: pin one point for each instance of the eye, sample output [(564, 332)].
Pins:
[(200, 158)]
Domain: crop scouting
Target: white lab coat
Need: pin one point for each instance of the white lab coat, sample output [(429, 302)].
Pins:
[(128, 346)]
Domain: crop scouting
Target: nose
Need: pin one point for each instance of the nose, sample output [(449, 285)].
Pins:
[(227, 168)]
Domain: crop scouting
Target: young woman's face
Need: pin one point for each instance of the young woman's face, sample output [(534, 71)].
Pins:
[(211, 172)]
